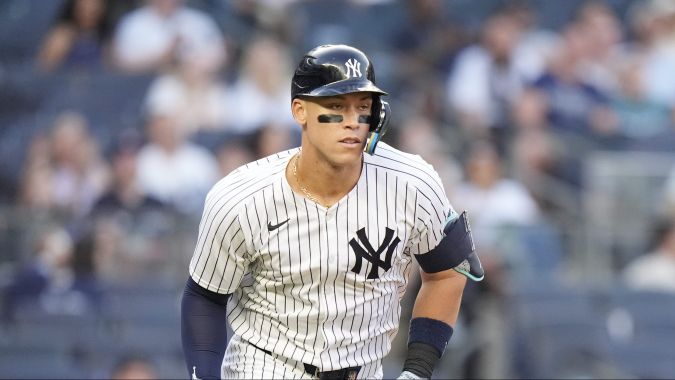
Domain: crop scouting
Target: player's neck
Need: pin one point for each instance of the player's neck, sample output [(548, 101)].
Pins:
[(319, 180)]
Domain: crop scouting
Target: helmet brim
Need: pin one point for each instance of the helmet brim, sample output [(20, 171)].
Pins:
[(345, 87)]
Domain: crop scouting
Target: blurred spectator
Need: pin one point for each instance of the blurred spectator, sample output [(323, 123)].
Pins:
[(80, 174), (232, 154), (537, 155), (499, 207), (418, 135), (79, 39), (574, 104), (638, 116), (125, 195), (134, 367), (492, 199), (261, 93), (656, 269), (536, 45), (65, 173), (602, 32), (35, 189), (154, 36), (269, 16), (125, 255), (57, 280), (487, 76), (193, 92), (426, 41), (653, 23), (424, 45), (129, 226), (172, 169), (528, 116), (273, 138), (502, 213)]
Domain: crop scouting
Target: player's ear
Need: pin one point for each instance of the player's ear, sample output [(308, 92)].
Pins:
[(299, 111)]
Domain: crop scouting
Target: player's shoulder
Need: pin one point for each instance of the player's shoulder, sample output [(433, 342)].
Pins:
[(252, 177), (411, 169), (400, 163)]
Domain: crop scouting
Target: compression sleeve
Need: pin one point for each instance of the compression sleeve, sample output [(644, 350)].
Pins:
[(203, 330)]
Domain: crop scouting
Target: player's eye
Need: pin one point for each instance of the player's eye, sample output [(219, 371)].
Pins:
[(364, 107), (335, 106)]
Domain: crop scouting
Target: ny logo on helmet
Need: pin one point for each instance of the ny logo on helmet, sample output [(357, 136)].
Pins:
[(353, 68)]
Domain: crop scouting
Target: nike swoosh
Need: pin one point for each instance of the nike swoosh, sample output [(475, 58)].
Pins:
[(299, 86), (271, 227)]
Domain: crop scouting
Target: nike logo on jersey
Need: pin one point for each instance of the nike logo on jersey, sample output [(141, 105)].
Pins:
[(271, 227)]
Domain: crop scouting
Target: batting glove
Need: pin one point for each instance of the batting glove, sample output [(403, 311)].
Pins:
[(408, 375)]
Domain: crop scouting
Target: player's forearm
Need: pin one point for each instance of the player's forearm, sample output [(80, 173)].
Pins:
[(440, 296), (435, 312)]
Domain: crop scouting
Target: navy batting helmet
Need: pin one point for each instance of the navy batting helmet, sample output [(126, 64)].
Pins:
[(330, 70)]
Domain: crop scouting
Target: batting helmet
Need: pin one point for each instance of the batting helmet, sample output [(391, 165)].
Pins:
[(330, 70)]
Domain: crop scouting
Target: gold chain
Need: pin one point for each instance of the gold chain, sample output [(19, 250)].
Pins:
[(304, 189)]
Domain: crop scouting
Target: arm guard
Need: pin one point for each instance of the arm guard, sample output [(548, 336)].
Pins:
[(456, 250)]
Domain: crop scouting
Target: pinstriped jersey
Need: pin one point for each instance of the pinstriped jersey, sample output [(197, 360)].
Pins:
[(319, 285)]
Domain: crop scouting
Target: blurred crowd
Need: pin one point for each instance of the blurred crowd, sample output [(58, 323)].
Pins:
[(118, 116)]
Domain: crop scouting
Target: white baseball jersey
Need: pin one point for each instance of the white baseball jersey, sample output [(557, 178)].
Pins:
[(313, 284)]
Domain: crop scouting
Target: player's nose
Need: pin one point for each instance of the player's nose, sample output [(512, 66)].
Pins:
[(353, 118)]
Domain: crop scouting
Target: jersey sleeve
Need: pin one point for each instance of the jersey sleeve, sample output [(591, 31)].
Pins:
[(431, 212), (221, 257)]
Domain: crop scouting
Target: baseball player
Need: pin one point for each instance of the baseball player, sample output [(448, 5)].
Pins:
[(312, 248)]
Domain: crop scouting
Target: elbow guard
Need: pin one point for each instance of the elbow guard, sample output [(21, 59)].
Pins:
[(455, 251)]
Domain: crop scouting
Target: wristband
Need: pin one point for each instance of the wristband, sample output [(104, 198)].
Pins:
[(430, 331), (427, 340)]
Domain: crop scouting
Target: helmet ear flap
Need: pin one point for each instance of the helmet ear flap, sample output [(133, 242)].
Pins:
[(379, 123)]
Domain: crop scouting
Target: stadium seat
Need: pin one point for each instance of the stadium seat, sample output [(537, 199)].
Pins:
[(23, 24), (642, 344), (559, 331), (110, 101)]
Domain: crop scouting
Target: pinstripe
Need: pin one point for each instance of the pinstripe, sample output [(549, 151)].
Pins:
[(369, 304), (219, 196), (274, 294), (295, 289), (311, 278), (289, 254)]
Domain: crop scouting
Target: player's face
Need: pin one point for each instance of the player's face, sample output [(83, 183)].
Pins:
[(337, 126)]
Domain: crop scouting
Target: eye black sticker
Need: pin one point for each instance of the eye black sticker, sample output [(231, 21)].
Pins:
[(330, 118), (363, 119)]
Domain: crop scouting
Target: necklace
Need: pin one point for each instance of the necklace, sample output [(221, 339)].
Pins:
[(304, 189)]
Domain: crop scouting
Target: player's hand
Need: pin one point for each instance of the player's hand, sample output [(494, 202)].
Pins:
[(408, 375)]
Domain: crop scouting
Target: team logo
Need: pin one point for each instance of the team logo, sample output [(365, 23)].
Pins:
[(365, 251), (353, 68)]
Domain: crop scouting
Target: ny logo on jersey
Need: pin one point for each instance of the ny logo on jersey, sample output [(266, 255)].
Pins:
[(353, 68), (373, 255)]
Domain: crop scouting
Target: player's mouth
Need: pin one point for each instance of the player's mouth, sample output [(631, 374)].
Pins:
[(351, 141)]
